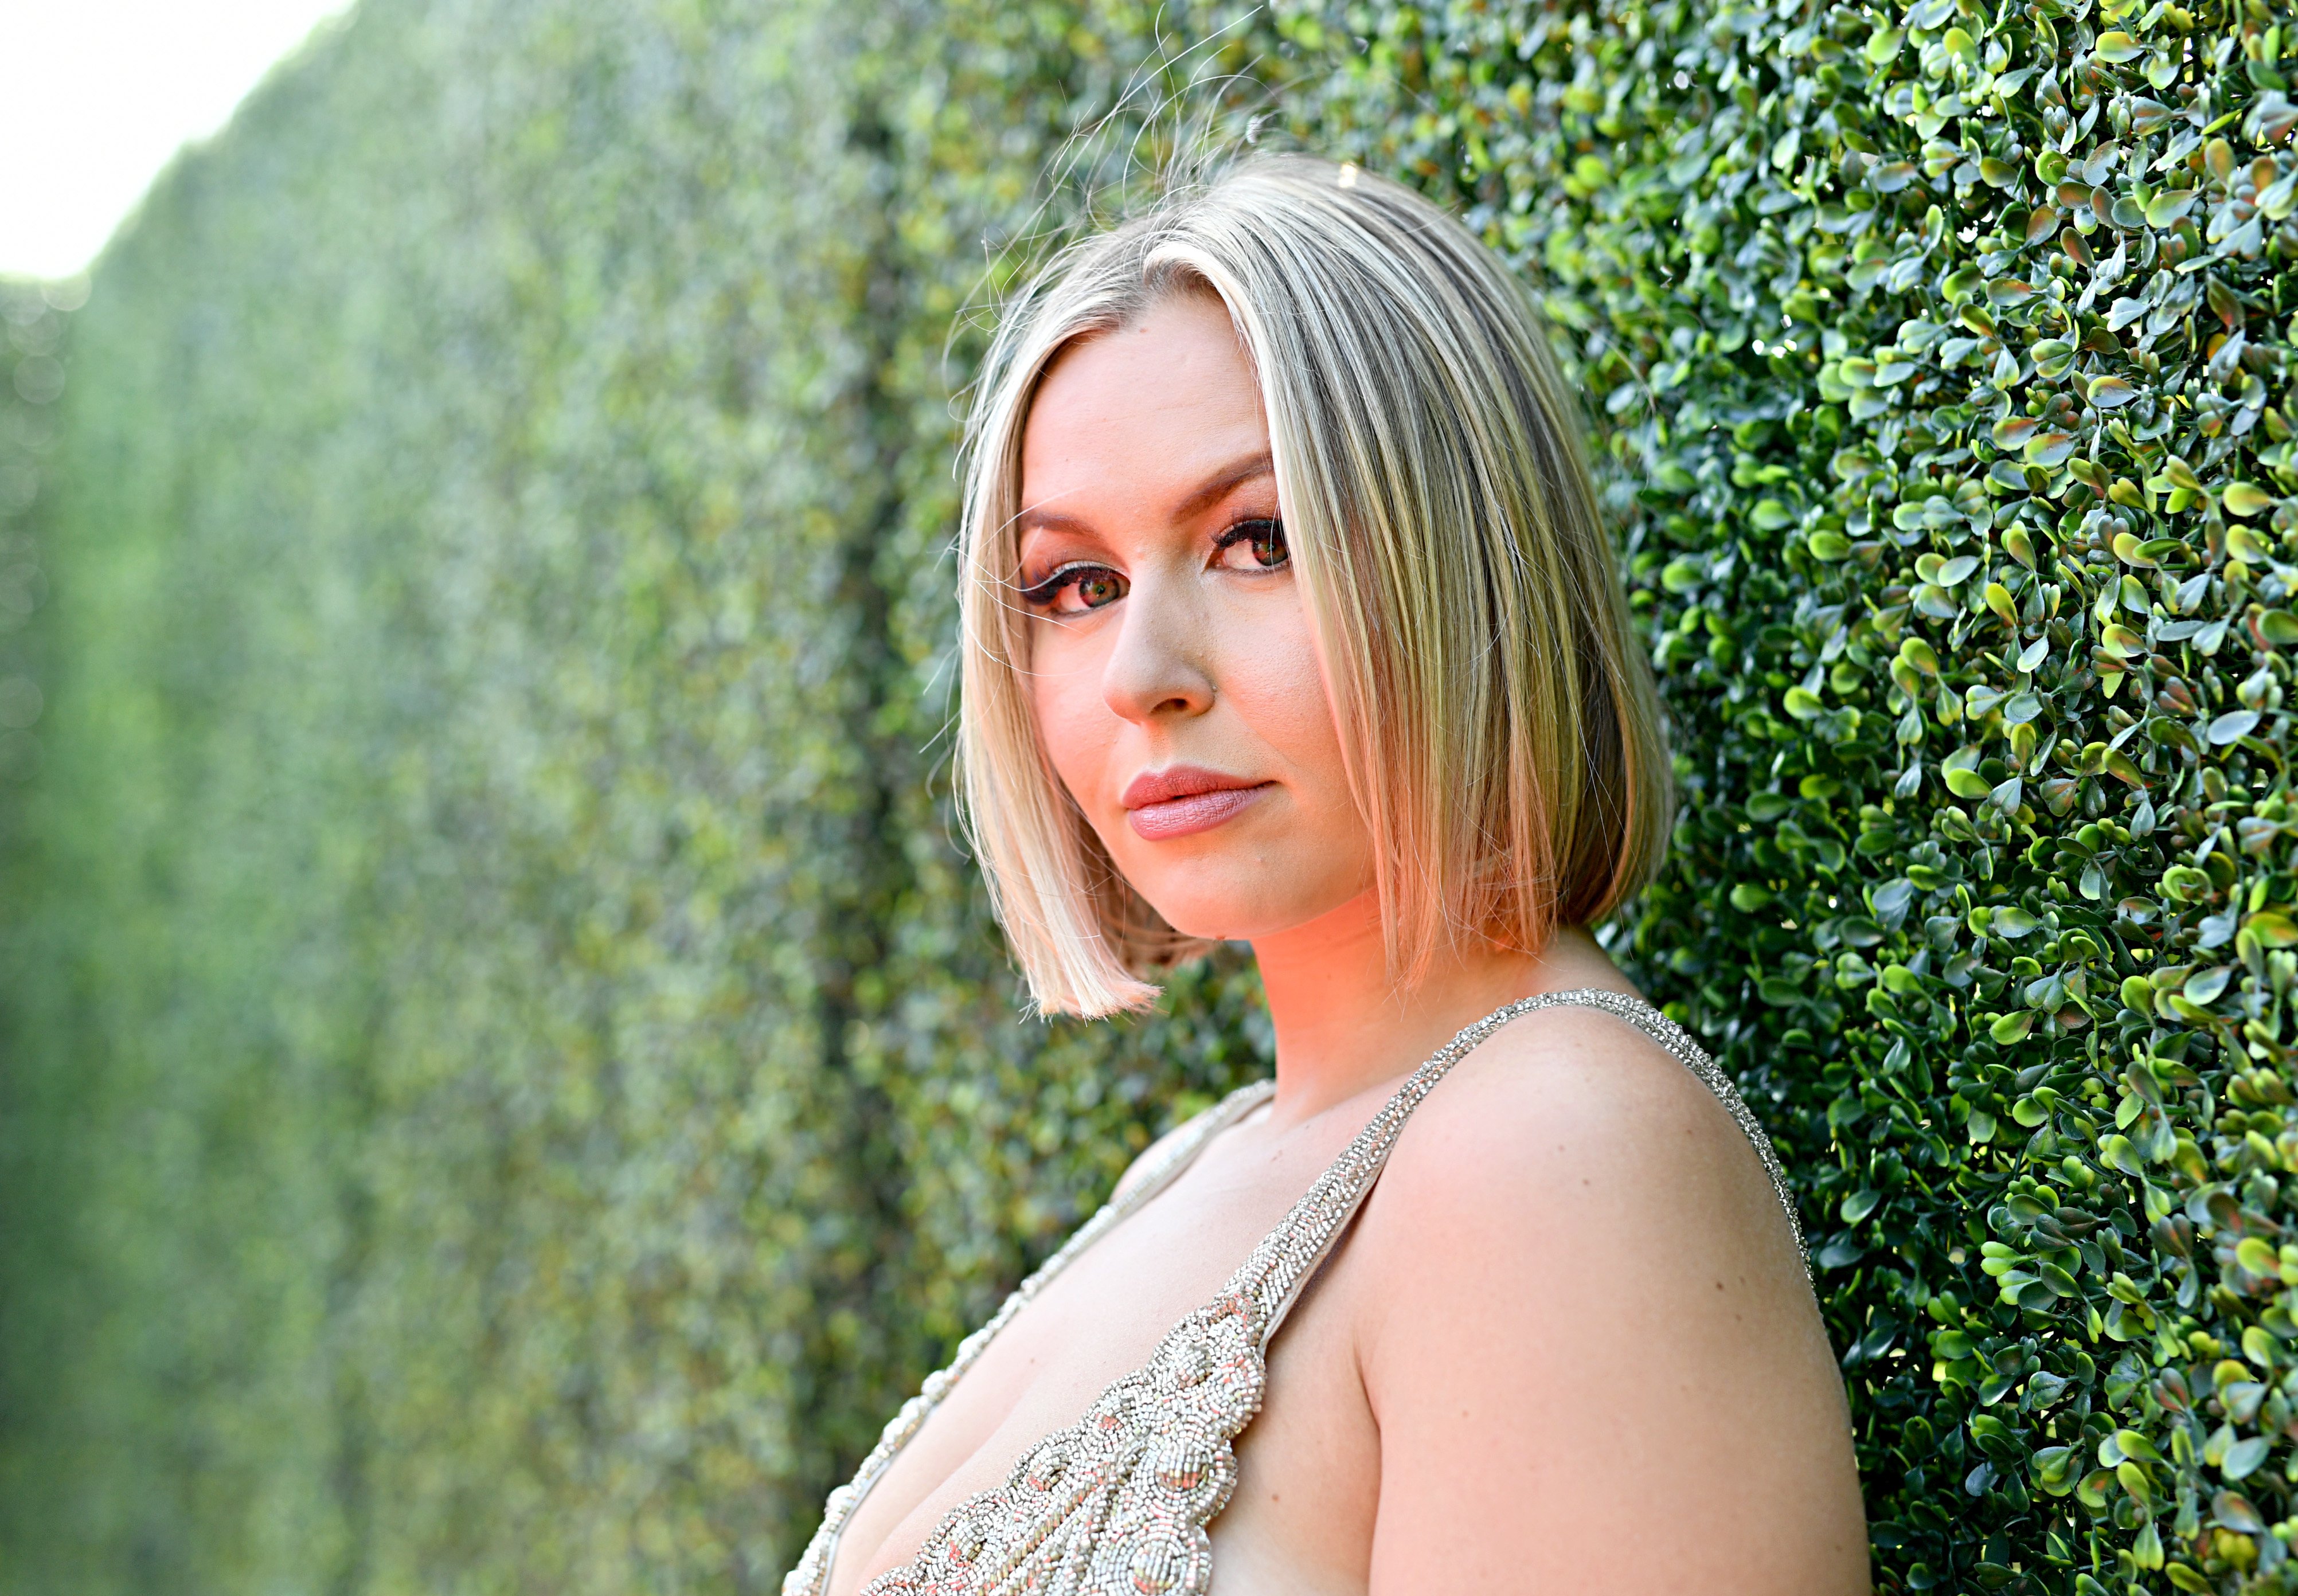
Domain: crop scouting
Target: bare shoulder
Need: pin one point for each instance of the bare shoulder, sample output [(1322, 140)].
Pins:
[(1576, 1290), (1573, 1116)]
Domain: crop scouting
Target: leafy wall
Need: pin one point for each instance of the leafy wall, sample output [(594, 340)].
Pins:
[(508, 1078)]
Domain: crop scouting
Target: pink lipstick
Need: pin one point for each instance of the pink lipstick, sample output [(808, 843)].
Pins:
[(1186, 799)]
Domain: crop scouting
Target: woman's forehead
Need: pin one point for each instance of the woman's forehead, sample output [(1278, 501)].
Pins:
[(1182, 353), (1168, 401)]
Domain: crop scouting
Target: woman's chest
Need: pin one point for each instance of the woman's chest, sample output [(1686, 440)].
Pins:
[(1309, 1448)]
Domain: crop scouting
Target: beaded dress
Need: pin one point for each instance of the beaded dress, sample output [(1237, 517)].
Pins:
[(1117, 1504)]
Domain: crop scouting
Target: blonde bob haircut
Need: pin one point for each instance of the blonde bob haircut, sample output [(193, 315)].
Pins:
[(1502, 737)]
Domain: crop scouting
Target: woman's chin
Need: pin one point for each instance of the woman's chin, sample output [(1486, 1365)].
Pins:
[(1211, 919), (1226, 915)]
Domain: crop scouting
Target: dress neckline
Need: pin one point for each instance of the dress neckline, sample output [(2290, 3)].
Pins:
[(1118, 1502)]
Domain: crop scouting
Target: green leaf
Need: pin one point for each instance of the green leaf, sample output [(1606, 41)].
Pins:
[(1936, 602), (2049, 448), (2273, 928), (2135, 1444), (2166, 207), (2246, 499), (2243, 1457), (2203, 987), (2053, 357), (2231, 726), (2236, 1513), (2117, 1153)]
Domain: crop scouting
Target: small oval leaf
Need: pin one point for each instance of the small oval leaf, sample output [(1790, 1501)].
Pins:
[(2231, 725), (2246, 499)]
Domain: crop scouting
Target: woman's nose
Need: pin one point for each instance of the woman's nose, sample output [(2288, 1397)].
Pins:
[(1158, 667)]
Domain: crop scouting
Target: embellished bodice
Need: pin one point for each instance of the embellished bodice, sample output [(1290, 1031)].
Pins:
[(1118, 1502)]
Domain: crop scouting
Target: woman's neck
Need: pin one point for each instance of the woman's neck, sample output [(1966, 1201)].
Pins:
[(1343, 1025)]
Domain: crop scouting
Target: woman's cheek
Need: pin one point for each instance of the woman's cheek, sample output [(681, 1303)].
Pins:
[(1077, 729), (1278, 688)]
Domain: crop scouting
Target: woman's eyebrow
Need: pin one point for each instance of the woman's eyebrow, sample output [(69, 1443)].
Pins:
[(1222, 483), (1047, 520), (1211, 491)]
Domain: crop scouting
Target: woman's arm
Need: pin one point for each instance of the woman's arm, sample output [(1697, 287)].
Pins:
[(1588, 1345)]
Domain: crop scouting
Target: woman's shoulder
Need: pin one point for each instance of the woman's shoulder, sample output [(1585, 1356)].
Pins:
[(1574, 1155), (1571, 1117), (1579, 1313)]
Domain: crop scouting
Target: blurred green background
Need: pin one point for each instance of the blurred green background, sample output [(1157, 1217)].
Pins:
[(505, 1078), (508, 1082)]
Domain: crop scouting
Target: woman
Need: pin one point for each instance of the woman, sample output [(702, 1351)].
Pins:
[(1291, 620)]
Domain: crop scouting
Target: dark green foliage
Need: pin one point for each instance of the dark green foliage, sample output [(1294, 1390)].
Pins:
[(508, 1082), (1943, 356)]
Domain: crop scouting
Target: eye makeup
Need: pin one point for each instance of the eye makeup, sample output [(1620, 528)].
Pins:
[(1097, 585), (1265, 536)]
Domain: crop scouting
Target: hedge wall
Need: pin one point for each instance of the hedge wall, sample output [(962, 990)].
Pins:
[(508, 1076), (508, 1079)]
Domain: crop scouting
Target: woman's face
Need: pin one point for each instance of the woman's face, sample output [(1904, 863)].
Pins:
[(1171, 662)]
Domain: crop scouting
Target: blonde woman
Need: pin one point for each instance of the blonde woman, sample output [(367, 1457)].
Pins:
[(1290, 620)]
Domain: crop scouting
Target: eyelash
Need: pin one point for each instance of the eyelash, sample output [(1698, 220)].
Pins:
[(1247, 532), (1041, 593)]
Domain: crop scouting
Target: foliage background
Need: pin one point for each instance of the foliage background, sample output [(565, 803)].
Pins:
[(509, 1079)]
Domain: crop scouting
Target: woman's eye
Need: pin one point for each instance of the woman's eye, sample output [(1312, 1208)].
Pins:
[(1073, 590), (1254, 546)]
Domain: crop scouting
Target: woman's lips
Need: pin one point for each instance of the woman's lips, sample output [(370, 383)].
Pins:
[(1163, 805), (1198, 812)]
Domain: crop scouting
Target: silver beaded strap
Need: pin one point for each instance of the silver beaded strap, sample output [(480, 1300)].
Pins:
[(810, 1573), (1288, 1258)]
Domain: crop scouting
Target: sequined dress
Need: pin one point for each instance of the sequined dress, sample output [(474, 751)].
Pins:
[(1117, 1504)]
